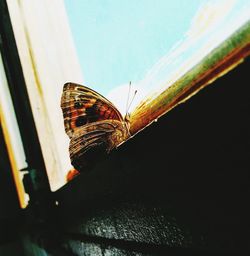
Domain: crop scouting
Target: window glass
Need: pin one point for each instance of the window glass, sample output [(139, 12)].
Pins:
[(146, 41)]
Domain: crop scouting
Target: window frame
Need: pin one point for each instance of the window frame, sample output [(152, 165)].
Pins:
[(48, 60)]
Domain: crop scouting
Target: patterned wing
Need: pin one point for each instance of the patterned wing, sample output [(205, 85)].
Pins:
[(92, 123), (81, 106), (92, 139)]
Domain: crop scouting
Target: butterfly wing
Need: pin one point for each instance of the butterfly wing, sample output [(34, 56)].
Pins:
[(82, 105), (96, 135), (91, 121)]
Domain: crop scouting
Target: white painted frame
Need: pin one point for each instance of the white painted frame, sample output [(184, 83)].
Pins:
[(48, 58)]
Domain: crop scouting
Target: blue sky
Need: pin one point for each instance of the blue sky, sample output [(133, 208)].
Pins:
[(118, 41)]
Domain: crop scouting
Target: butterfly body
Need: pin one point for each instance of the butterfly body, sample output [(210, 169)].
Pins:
[(91, 121)]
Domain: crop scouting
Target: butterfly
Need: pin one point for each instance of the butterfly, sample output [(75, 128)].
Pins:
[(92, 123)]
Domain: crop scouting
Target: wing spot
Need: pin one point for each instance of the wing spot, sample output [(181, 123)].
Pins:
[(78, 104), (81, 120)]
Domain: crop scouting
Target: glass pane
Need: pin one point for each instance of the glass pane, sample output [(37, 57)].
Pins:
[(146, 41)]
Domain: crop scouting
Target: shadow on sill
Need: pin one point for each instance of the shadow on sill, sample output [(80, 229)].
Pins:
[(182, 182)]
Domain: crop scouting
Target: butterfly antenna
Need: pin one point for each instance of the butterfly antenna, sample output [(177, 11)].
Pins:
[(132, 100), (129, 88)]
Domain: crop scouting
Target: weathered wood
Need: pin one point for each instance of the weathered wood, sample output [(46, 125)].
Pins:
[(222, 59)]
